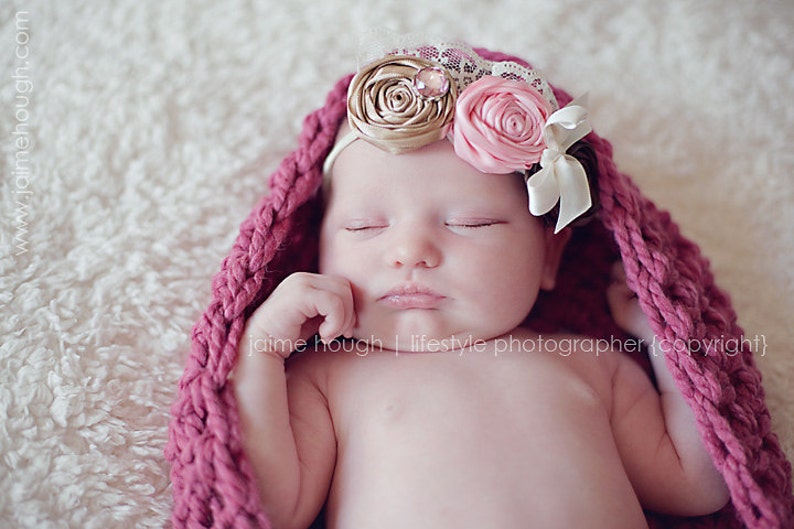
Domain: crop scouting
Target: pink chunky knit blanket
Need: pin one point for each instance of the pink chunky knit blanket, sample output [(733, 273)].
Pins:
[(212, 479)]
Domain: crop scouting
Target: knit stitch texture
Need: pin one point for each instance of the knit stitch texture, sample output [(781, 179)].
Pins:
[(213, 484)]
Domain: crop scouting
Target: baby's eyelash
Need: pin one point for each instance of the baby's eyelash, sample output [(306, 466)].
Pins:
[(473, 223), (363, 226)]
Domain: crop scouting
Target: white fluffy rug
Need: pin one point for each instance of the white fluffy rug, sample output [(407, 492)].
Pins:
[(138, 134)]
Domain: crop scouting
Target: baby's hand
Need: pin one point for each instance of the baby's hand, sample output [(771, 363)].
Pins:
[(302, 305), (625, 307)]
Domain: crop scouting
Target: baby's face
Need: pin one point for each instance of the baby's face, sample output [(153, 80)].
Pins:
[(433, 248)]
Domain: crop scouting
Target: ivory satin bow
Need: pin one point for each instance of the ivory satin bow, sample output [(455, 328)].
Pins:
[(561, 177)]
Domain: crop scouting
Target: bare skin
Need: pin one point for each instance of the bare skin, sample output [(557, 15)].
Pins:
[(472, 439), (496, 434), (506, 433)]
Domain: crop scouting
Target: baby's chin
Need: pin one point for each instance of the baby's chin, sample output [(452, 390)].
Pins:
[(427, 331)]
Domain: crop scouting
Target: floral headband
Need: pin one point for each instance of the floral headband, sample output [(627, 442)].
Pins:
[(500, 116)]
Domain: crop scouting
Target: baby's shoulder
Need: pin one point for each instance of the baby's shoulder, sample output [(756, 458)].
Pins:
[(591, 358), (564, 345)]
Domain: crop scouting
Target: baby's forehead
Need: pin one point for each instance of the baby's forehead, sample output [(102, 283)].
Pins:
[(432, 174)]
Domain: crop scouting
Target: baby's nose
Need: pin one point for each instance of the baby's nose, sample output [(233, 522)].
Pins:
[(414, 248)]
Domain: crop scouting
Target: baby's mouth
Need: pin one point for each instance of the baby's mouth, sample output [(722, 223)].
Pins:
[(412, 296)]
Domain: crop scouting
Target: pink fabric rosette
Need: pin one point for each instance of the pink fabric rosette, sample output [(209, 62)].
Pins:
[(499, 124)]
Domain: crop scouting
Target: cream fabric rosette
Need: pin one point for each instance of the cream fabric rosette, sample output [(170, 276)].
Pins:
[(401, 103)]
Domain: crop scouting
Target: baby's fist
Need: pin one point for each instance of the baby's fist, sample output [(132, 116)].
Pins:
[(302, 305), (625, 306)]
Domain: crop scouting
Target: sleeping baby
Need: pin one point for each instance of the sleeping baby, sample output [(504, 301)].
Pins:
[(449, 198)]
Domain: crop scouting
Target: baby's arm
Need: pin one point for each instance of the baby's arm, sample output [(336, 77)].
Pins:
[(656, 433), (287, 431)]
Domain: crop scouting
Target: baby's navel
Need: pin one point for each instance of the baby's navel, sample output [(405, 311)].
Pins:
[(393, 411)]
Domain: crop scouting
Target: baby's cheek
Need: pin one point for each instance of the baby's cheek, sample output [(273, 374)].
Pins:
[(518, 303), (336, 260), (359, 296), (516, 294)]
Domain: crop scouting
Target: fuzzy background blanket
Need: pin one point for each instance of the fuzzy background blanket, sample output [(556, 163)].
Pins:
[(137, 135)]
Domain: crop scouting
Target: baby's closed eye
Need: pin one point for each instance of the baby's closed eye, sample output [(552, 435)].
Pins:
[(472, 222), (365, 224)]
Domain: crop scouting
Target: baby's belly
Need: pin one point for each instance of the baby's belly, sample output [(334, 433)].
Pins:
[(438, 446)]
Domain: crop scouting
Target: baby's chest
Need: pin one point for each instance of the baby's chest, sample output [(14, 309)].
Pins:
[(426, 399)]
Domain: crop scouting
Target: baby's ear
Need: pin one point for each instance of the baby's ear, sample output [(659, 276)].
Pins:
[(555, 245)]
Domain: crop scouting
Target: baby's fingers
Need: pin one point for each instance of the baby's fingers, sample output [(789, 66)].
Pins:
[(299, 306), (336, 309), (331, 299), (625, 306)]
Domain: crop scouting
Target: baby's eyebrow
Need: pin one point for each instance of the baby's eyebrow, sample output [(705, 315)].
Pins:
[(475, 206), (359, 216), (355, 221)]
